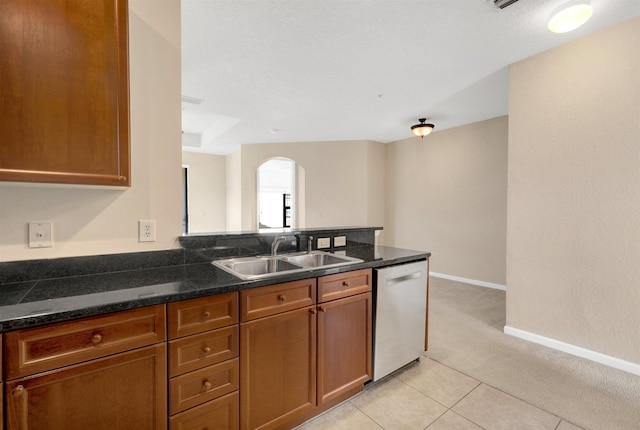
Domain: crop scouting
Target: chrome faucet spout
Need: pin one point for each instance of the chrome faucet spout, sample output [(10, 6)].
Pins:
[(309, 243), (276, 243)]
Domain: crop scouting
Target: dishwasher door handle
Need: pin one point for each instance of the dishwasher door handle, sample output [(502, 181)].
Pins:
[(399, 279)]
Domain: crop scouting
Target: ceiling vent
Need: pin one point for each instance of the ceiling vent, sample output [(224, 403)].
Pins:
[(503, 3)]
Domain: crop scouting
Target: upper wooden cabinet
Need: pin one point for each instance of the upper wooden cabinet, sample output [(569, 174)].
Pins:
[(64, 115)]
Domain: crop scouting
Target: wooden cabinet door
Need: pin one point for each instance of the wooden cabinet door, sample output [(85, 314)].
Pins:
[(123, 391), (277, 368), (64, 115), (344, 345)]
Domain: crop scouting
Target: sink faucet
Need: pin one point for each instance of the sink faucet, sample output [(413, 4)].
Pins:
[(276, 244), (309, 243)]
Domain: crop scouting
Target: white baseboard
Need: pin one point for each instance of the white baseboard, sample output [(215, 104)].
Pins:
[(469, 281), (607, 360)]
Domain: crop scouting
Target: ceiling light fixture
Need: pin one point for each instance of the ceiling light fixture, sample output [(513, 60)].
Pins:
[(569, 16), (422, 129)]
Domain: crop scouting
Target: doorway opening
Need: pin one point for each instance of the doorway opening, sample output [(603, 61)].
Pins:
[(277, 194), (185, 199)]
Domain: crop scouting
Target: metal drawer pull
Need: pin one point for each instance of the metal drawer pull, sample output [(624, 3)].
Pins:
[(206, 385), (393, 281), (282, 298), (96, 338), (206, 314), (206, 349), (345, 283)]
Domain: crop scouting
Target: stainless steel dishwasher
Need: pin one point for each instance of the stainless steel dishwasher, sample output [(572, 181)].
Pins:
[(400, 316)]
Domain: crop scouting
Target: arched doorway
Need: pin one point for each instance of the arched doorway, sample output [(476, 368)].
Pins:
[(277, 194)]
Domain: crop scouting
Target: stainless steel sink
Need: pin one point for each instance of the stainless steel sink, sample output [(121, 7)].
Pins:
[(316, 259), (259, 266), (266, 266)]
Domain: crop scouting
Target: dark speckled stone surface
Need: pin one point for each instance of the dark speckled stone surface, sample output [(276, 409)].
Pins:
[(38, 302)]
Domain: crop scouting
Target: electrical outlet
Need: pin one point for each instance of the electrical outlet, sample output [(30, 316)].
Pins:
[(147, 230), (40, 234), (340, 241), (324, 242)]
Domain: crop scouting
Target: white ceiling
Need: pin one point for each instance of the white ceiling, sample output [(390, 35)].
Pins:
[(325, 70)]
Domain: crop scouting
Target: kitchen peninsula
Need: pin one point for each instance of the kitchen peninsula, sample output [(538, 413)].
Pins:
[(120, 316)]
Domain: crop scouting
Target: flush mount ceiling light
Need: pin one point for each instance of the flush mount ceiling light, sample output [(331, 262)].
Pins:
[(422, 129), (569, 16)]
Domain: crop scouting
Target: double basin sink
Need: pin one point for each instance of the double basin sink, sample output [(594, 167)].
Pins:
[(265, 266)]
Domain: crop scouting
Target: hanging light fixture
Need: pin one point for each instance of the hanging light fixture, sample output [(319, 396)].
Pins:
[(422, 129), (569, 16)]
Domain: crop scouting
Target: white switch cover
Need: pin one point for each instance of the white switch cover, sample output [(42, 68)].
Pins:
[(324, 242), (340, 241), (40, 234), (147, 230)]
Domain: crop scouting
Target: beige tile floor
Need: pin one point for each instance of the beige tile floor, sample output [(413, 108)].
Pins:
[(431, 396)]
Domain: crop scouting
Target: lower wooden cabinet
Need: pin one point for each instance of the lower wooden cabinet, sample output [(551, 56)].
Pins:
[(277, 368), (300, 348), (298, 363), (204, 368), (122, 391), (344, 345)]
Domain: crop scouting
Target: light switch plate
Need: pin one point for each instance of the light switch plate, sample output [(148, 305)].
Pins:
[(324, 242), (40, 234), (340, 241)]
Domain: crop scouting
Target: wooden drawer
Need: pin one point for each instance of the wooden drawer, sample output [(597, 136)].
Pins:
[(219, 414), (199, 386), (345, 284), (265, 301), (198, 315), (39, 349), (202, 350)]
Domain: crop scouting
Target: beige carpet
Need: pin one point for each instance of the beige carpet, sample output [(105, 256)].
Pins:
[(465, 333)]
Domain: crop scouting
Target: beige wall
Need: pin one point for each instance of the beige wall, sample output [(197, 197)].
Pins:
[(90, 221), (573, 240), (336, 177), (207, 184), (447, 193), (234, 191)]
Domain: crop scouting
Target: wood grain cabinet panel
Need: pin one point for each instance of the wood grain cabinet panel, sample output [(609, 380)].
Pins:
[(122, 391), (64, 116), (340, 285), (219, 414), (201, 350), (275, 299), (194, 388), (278, 368), (43, 348), (198, 315), (344, 345)]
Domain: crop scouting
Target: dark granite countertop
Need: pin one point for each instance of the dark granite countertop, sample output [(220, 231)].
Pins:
[(37, 302)]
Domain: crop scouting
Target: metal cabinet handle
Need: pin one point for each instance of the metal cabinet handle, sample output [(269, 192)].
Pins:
[(345, 283), (206, 314), (206, 385), (206, 349), (96, 338), (282, 298), (312, 311), (321, 309)]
